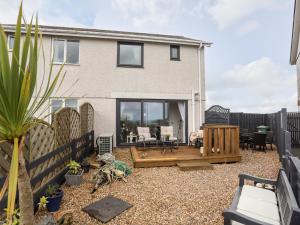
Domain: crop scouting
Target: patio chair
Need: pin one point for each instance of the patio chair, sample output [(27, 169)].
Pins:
[(196, 138), (144, 136), (269, 138), (259, 139), (167, 131)]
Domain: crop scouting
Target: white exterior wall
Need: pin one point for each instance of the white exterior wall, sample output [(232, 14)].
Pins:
[(100, 81)]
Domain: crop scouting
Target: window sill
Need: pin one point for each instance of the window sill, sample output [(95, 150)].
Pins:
[(175, 59), (131, 66), (66, 64)]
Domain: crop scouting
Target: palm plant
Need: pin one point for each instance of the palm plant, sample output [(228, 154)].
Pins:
[(21, 100)]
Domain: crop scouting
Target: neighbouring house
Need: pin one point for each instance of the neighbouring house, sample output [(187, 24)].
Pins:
[(295, 50), (131, 79)]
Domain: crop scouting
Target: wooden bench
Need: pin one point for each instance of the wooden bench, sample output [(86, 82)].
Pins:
[(257, 206)]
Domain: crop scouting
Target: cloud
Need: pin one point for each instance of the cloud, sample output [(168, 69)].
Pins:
[(229, 12), (143, 12), (61, 13), (247, 27), (259, 86)]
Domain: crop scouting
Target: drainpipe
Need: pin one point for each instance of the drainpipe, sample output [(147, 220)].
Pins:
[(193, 109), (200, 80)]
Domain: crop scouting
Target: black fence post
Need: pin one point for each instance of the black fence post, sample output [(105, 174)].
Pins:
[(284, 119), (73, 150)]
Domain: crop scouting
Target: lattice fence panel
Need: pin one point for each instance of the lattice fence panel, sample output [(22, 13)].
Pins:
[(62, 123), (217, 115), (86, 118), (41, 142)]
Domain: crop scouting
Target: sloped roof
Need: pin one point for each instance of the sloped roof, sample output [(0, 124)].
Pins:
[(111, 34)]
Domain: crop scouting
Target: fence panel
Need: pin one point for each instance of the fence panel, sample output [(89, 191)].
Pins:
[(86, 118), (47, 175), (293, 125)]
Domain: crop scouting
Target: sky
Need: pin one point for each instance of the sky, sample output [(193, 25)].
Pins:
[(247, 67)]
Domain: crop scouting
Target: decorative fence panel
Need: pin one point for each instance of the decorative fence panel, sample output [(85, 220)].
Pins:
[(86, 118), (217, 115), (49, 148), (47, 175)]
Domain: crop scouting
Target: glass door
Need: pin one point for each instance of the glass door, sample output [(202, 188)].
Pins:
[(130, 119), (132, 113)]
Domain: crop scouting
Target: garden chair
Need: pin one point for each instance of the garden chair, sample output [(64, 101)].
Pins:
[(167, 135), (269, 138), (144, 136), (259, 139), (196, 138)]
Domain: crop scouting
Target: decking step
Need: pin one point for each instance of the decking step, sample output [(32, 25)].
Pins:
[(184, 166)]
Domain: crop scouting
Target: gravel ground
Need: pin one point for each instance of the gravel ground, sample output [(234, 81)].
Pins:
[(166, 195)]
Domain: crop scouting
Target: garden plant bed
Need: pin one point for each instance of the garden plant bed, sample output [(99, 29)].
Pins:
[(166, 195), (154, 157)]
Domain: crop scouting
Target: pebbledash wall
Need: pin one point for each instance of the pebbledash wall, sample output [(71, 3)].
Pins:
[(101, 81)]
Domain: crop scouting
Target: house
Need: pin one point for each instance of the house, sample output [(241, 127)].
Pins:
[(295, 50), (131, 79)]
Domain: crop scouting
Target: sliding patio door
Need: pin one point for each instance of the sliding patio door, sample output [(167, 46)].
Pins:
[(132, 113)]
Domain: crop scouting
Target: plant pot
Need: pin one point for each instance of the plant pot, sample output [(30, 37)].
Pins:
[(74, 180), (54, 202), (86, 167)]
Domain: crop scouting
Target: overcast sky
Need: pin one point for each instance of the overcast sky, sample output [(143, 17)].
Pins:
[(247, 67)]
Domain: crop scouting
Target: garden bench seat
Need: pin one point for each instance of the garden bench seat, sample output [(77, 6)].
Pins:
[(257, 206)]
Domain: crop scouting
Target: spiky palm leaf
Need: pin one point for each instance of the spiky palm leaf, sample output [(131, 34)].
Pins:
[(18, 105)]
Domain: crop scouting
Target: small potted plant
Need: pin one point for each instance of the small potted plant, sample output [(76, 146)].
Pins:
[(54, 195), (85, 165), (74, 174), (167, 137)]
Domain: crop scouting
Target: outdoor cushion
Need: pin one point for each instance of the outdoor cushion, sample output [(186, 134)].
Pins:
[(173, 139), (259, 194), (167, 130), (258, 209), (147, 139), (143, 132), (258, 217)]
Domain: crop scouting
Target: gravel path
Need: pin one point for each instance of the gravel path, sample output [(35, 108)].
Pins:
[(166, 195)]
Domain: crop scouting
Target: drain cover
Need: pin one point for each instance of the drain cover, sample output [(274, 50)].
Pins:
[(107, 208)]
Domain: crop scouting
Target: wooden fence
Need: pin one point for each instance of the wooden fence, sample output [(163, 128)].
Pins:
[(48, 148), (83, 144), (221, 140), (293, 126), (248, 121)]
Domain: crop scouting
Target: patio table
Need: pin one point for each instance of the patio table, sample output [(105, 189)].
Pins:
[(168, 144)]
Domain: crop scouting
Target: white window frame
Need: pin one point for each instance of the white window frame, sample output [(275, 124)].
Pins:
[(65, 51), (8, 40), (63, 103)]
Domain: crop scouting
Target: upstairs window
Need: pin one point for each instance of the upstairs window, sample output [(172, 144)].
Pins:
[(10, 42), (65, 51), (175, 52), (130, 54)]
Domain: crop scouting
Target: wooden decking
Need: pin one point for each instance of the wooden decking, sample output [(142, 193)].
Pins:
[(153, 157)]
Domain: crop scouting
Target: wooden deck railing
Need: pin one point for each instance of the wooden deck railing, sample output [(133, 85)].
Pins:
[(221, 140)]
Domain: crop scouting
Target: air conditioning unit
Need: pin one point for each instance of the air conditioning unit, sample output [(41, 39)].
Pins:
[(105, 143)]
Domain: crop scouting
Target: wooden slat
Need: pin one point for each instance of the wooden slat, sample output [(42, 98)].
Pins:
[(221, 141)]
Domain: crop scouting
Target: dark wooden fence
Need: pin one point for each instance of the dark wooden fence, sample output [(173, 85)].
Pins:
[(293, 126), (286, 129), (248, 121), (80, 148)]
